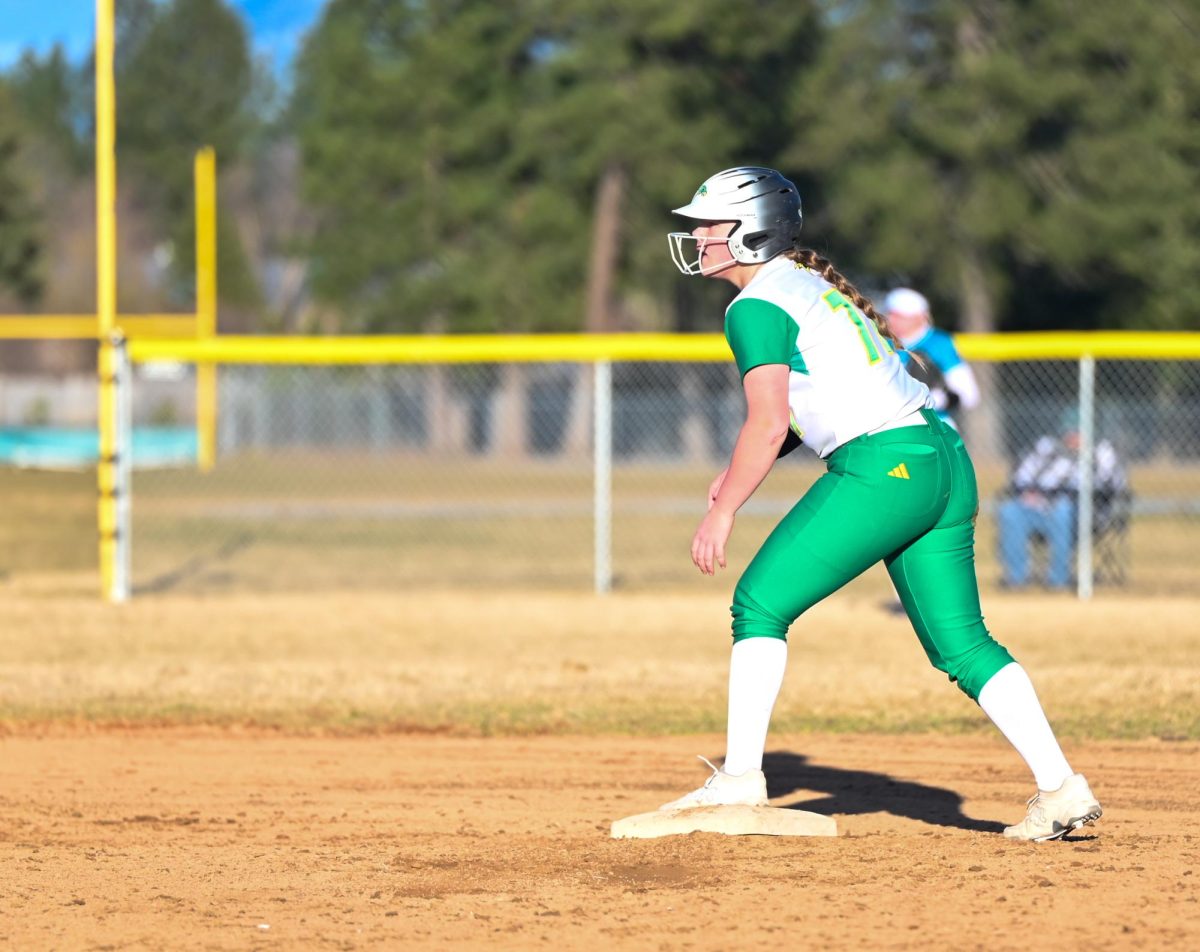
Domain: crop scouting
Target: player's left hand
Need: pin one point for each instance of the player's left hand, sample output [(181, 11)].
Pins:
[(708, 544)]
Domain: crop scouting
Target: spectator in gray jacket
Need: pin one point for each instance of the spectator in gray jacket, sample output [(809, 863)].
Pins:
[(1043, 500)]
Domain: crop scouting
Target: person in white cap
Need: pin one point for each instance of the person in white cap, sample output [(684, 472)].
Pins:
[(950, 380)]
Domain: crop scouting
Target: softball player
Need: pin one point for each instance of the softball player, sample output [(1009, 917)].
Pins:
[(818, 365), (950, 379)]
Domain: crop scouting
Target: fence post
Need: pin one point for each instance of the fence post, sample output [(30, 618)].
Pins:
[(1087, 442), (205, 180), (106, 287), (122, 458), (602, 473)]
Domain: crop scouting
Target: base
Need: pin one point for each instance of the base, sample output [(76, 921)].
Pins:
[(729, 820)]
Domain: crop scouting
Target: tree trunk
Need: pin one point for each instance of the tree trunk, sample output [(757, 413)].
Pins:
[(982, 429), (598, 317), (577, 432), (445, 416), (510, 416), (606, 234), (696, 435)]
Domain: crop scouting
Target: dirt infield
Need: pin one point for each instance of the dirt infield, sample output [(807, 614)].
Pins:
[(222, 840), (382, 770)]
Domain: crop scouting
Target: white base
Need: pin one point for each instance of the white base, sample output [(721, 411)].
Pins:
[(729, 820)]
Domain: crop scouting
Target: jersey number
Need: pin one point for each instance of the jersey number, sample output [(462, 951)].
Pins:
[(876, 346)]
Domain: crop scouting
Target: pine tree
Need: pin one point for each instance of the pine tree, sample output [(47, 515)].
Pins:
[(638, 101), (47, 93), (403, 113), (1012, 156), (480, 165), (184, 78), (20, 245)]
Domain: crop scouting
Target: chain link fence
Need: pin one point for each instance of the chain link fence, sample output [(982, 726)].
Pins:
[(579, 475)]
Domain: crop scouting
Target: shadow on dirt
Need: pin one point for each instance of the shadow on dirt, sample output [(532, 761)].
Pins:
[(862, 791), (197, 568)]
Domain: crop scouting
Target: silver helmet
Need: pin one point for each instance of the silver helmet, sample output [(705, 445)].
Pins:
[(765, 205)]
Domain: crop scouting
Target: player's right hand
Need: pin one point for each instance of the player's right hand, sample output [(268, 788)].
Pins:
[(712, 535)]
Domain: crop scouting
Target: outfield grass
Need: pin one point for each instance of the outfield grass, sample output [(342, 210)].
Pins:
[(342, 614), (47, 521), (336, 523), (530, 662)]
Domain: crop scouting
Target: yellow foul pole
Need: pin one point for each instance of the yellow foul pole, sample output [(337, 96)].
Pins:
[(206, 305), (106, 286)]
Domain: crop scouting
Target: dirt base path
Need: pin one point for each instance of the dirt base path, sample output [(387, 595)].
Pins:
[(231, 841)]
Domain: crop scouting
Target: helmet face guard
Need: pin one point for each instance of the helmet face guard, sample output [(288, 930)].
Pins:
[(765, 206), (689, 260)]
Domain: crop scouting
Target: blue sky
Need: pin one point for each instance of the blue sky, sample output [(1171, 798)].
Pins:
[(276, 26)]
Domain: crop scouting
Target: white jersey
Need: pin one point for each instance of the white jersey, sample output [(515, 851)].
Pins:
[(845, 379)]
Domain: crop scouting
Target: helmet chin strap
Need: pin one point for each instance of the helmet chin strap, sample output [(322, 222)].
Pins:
[(723, 266)]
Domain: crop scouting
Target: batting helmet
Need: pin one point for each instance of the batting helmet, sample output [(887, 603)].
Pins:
[(764, 204)]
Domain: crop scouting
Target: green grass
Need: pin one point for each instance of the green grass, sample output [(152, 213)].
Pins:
[(331, 523), (47, 521), (485, 624), (525, 662)]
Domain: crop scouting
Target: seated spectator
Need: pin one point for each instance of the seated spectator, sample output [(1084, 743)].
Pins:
[(1043, 499)]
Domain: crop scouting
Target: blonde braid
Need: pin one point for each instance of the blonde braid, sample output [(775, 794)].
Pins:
[(807, 258)]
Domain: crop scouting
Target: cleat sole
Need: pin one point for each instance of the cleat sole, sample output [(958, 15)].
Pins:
[(1072, 825)]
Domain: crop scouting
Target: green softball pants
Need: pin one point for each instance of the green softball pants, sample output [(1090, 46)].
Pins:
[(907, 497)]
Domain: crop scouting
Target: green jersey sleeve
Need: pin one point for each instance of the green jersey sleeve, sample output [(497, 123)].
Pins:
[(760, 332)]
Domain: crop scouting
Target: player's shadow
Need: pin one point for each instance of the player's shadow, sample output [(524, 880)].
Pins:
[(863, 791)]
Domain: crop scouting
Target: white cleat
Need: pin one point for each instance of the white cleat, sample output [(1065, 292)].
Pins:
[(1054, 814), (722, 789)]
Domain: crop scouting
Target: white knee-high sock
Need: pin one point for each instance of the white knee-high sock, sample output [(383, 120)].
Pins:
[(756, 669), (1010, 701)]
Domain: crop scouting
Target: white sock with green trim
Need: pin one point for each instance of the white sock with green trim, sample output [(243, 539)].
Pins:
[(756, 668), (1010, 701)]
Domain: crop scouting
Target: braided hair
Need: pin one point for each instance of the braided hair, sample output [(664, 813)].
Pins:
[(807, 258)]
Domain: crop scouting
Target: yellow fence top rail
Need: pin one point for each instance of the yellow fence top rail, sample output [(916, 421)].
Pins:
[(86, 327), (486, 348), (457, 349), (1057, 345)]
